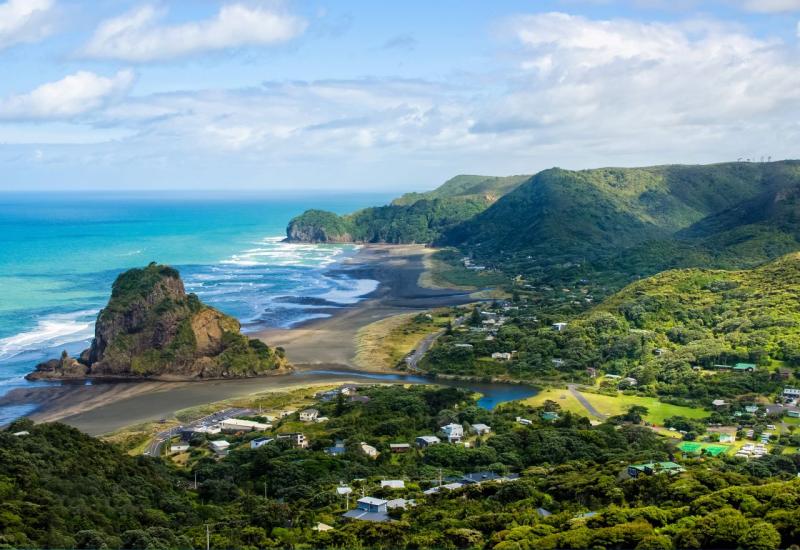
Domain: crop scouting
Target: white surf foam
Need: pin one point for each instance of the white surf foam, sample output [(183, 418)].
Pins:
[(50, 331)]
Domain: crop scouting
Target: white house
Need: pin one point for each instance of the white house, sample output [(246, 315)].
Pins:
[(501, 356), (309, 415), (453, 432), (241, 425), (524, 421), (393, 483), (558, 327), (427, 440), (179, 448), (369, 450), (219, 446), (260, 442), (791, 392), (298, 439), (480, 429)]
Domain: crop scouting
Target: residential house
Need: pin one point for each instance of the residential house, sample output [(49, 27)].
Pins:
[(629, 381), (322, 527), (260, 442), (369, 450), (719, 403), (650, 468), (791, 393), (179, 448), (480, 429), (337, 449), (427, 440), (369, 509), (343, 490), (309, 415), (453, 432), (793, 413), (399, 447), (233, 425), (744, 367), (482, 477), (464, 346), (549, 416), (220, 447), (393, 483), (296, 438), (348, 389), (501, 356), (524, 421), (751, 409), (449, 486), (21, 434), (558, 327)]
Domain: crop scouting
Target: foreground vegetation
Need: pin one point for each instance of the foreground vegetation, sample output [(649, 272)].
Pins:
[(63, 489)]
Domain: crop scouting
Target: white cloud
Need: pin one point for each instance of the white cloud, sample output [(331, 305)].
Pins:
[(666, 90), (25, 21), (771, 6), (73, 95), (140, 35)]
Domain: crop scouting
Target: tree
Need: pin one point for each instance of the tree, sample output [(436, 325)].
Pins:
[(761, 536)]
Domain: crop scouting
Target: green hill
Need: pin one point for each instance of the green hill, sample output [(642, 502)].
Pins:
[(412, 218), (638, 221)]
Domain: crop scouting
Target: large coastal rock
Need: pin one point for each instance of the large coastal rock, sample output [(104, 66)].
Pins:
[(152, 329)]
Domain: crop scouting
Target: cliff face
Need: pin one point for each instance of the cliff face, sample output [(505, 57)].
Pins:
[(152, 329)]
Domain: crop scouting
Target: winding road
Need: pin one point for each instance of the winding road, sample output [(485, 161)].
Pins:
[(154, 448), (413, 358)]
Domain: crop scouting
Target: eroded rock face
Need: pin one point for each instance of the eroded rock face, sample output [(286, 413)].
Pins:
[(152, 328)]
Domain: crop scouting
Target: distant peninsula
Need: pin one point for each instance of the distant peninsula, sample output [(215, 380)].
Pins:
[(152, 329)]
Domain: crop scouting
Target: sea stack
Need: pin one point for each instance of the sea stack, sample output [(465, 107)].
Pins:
[(151, 328)]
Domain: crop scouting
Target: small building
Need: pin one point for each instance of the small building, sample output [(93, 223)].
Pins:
[(348, 389), (241, 425), (427, 440), (480, 429), (21, 434), (369, 509), (453, 432), (501, 356), (744, 367), (629, 381), (449, 486), (369, 450), (524, 421), (549, 416), (260, 442), (296, 438), (179, 448), (791, 393), (343, 490), (557, 362), (727, 438), (220, 446), (393, 483), (751, 409), (719, 403), (650, 468), (399, 447), (338, 448), (558, 327), (322, 527), (399, 503), (722, 367), (309, 415), (464, 346), (793, 413), (482, 477)]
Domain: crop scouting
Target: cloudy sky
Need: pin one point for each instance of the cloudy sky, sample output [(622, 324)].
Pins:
[(348, 94)]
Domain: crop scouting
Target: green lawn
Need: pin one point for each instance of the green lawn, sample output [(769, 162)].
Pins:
[(612, 406), (712, 449), (657, 411)]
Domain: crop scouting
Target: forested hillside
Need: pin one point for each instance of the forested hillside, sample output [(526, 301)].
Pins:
[(412, 218), (626, 222), (62, 489)]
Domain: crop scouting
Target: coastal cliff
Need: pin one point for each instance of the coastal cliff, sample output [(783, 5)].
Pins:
[(319, 226), (151, 328)]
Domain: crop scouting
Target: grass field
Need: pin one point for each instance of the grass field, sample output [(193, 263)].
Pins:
[(612, 406), (440, 273), (383, 344)]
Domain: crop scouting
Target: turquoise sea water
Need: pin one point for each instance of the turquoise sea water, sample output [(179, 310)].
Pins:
[(59, 255)]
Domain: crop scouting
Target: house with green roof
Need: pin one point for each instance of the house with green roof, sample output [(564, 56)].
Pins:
[(650, 468), (744, 367)]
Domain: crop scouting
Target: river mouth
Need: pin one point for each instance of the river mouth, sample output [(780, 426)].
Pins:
[(492, 393)]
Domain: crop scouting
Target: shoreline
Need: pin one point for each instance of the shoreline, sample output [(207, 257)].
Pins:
[(326, 343)]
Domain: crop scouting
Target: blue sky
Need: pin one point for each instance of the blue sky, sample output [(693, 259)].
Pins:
[(287, 95)]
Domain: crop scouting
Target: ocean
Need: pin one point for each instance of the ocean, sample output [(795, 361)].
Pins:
[(59, 254)]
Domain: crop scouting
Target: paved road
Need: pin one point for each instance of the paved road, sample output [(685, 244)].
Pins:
[(573, 389), (154, 448), (413, 359)]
